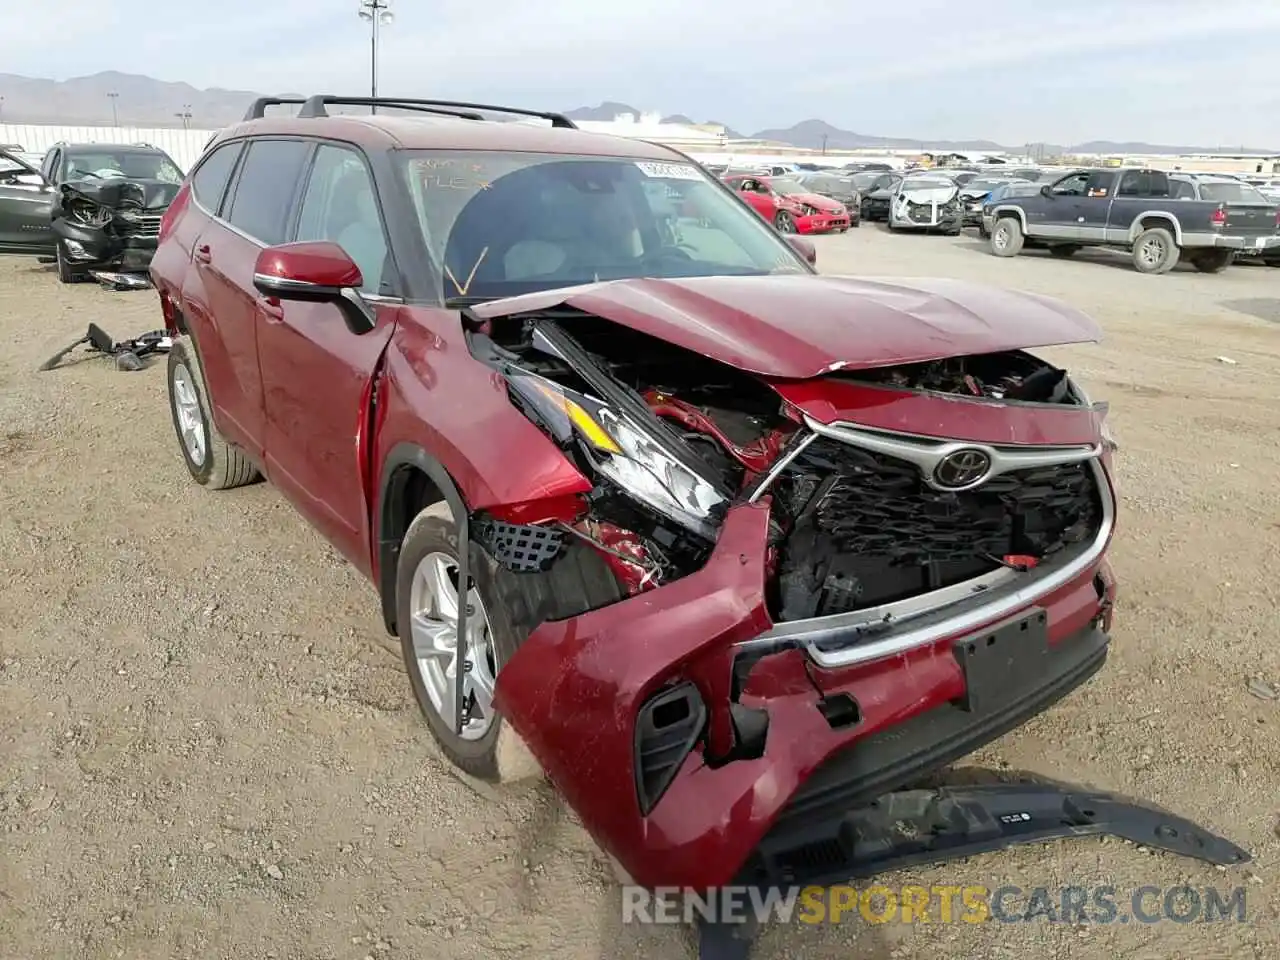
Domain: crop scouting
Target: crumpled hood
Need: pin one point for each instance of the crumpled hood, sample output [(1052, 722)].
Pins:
[(818, 201), (939, 194), (111, 193), (803, 325)]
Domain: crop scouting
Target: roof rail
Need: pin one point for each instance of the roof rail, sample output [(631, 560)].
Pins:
[(320, 111), (258, 109), (315, 107)]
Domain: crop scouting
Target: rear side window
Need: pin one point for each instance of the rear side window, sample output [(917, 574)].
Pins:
[(265, 188), (209, 182)]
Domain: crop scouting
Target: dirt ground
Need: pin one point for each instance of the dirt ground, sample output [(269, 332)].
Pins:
[(208, 747)]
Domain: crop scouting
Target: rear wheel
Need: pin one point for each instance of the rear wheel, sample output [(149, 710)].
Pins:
[(211, 461), (1212, 261), (1154, 251), (1007, 237)]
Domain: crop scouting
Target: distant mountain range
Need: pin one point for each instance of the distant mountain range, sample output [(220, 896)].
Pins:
[(135, 100)]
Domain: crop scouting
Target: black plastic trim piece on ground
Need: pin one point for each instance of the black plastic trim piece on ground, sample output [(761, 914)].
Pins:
[(915, 827)]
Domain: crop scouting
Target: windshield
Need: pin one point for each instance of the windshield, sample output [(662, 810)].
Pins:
[(501, 224), (975, 186), (1239, 192), (928, 183), (829, 184), (789, 187), (106, 164)]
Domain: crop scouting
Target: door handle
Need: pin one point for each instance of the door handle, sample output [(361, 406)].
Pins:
[(203, 253), (271, 309)]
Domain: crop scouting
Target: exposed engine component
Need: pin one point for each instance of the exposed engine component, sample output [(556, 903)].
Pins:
[(999, 376), (673, 438)]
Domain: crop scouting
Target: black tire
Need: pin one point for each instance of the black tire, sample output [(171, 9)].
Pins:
[(1154, 251), (1063, 250), (783, 222), (222, 466), (434, 531), (68, 272), (1007, 237), (1212, 261)]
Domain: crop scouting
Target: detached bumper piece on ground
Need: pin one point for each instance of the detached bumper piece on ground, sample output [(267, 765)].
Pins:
[(915, 827)]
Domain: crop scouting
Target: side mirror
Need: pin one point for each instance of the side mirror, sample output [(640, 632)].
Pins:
[(317, 271), (1046, 191), (803, 247)]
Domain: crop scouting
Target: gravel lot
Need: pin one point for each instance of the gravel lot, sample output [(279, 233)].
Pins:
[(208, 747)]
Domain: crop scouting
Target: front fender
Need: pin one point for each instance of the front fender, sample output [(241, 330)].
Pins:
[(447, 415)]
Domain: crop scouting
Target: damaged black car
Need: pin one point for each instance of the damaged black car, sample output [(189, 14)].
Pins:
[(88, 207)]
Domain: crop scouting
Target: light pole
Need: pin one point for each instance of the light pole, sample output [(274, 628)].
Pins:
[(115, 117), (378, 14), (1, 108), (185, 116)]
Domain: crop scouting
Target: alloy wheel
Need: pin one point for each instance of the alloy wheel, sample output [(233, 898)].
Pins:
[(433, 626)]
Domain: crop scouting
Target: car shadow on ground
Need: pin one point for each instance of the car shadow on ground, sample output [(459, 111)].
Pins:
[(1117, 259), (1261, 308)]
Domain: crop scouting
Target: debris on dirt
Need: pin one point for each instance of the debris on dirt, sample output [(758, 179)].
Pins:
[(1263, 690), (128, 354), (274, 872), (1227, 360), (120, 281)]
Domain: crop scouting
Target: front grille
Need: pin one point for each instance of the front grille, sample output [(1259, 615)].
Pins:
[(141, 225), (867, 530)]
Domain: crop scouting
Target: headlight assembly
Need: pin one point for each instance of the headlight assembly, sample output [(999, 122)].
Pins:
[(624, 452), (87, 212)]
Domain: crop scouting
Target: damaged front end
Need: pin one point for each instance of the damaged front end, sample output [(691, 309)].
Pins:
[(111, 222), (820, 586)]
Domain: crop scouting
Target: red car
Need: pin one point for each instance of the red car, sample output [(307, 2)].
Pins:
[(789, 205), (726, 546)]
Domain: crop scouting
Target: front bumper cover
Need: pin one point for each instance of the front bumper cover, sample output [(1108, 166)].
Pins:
[(104, 249), (574, 700)]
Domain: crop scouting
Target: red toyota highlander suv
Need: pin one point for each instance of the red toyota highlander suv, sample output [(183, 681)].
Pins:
[(726, 546)]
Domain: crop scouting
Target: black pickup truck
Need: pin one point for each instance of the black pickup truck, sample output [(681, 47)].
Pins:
[(1134, 209)]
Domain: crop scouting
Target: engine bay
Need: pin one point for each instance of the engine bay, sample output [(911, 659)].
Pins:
[(849, 529)]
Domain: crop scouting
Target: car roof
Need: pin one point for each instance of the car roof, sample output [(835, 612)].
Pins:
[(390, 132)]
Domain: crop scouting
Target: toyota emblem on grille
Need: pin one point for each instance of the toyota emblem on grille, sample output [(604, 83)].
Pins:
[(961, 468)]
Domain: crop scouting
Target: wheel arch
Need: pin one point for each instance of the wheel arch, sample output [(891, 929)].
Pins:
[(1153, 219), (1004, 211), (410, 480)]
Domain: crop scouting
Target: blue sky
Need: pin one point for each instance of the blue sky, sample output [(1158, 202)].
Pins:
[(1016, 71)]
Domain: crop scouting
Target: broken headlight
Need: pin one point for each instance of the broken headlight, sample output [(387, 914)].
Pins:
[(635, 458), (87, 212)]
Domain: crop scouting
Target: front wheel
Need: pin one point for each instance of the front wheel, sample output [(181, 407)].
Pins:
[(1007, 237), (428, 598), (1154, 251), (67, 271), (784, 222)]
